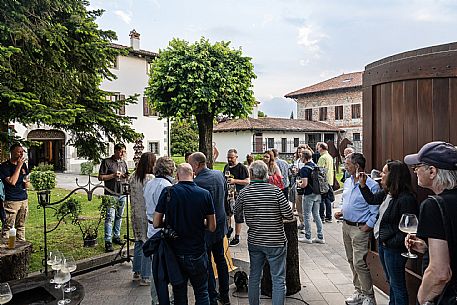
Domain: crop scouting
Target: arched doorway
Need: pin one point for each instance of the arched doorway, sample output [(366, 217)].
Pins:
[(50, 148)]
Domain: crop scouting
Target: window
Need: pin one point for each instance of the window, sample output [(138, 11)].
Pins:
[(356, 114), (154, 147), (323, 114), (309, 114), (338, 112), (356, 137), (114, 97), (270, 143), (148, 110), (296, 142)]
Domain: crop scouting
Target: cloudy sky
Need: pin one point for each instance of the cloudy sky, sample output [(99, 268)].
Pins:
[(293, 43)]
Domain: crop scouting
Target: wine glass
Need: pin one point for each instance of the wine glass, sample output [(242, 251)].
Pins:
[(408, 224), (70, 265), (61, 277), (54, 261), (5, 293)]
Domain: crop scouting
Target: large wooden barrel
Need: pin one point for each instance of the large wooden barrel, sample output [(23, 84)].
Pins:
[(409, 99)]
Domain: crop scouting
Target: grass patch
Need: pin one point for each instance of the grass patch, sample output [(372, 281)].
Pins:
[(67, 237)]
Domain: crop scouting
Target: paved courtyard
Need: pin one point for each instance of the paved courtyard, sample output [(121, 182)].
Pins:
[(324, 272)]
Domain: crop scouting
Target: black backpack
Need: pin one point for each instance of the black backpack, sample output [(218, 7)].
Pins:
[(318, 180)]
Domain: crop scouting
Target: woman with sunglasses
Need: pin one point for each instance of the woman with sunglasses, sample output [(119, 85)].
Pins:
[(395, 198)]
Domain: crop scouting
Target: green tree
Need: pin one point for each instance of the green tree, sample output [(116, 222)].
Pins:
[(53, 58), (184, 137), (261, 114), (201, 80)]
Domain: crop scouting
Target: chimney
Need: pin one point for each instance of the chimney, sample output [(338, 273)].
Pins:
[(255, 110), (134, 39)]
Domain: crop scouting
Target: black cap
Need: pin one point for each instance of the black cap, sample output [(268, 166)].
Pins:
[(439, 154)]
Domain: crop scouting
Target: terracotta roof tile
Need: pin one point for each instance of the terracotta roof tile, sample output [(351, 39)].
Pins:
[(136, 52), (273, 124), (343, 81)]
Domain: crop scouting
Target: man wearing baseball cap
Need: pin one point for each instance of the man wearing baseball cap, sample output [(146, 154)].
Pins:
[(436, 168)]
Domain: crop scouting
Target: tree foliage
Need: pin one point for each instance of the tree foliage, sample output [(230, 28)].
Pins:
[(184, 137), (53, 58), (201, 80)]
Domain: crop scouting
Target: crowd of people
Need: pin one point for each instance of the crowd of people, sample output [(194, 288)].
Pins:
[(182, 215)]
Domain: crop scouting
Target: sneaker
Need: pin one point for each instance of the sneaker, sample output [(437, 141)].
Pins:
[(223, 300), (302, 231), (301, 226), (136, 276), (108, 247), (229, 232), (117, 241), (234, 242), (328, 220), (356, 298), (145, 282), (369, 300), (318, 241), (305, 240)]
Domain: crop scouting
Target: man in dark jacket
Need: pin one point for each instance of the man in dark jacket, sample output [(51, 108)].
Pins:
[(186, 208), (214, 182)]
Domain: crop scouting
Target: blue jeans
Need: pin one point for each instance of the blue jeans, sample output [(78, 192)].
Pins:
[(141, 264), (311, 204), (394, 267), (276, 257), (115, 214), (325, 206), (217, 249), (195, 269)]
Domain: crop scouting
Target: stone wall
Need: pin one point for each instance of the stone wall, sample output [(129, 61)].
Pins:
[(331, 99)]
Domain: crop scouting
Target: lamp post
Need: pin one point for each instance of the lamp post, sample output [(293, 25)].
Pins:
[(44, 199), (138, 150)]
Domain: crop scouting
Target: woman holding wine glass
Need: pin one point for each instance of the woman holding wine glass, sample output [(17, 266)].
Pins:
[(395, 199), (436, 168)]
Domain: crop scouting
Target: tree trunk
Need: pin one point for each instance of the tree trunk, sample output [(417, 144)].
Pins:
[(293, 284), (205, 136), (14, 263)]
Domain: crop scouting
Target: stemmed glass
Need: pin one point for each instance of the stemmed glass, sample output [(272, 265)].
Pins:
[(70, 265), (54, 261), (5, 293), (61, 277), (408, 224)]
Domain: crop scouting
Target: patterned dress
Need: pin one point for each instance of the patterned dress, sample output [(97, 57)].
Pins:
[(138, 207)]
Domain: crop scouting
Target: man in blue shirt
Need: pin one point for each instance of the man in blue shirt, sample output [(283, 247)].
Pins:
[(186, 208), (214, 182), (359, 220), (13, 173)]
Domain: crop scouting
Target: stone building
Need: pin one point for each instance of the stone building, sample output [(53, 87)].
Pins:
[(336, 101)]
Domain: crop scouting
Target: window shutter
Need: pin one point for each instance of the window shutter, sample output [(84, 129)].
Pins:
[(145, 106), (122, 108)]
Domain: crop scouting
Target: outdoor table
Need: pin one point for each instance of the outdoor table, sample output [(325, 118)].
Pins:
[(14, 263), (38, 290)]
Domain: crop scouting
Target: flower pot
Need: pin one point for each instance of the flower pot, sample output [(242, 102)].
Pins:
[(90, 242)]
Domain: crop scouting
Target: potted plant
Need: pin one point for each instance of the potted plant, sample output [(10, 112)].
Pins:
[(87, 225)]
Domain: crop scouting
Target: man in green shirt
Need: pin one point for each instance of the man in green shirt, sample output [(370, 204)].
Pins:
[(325, 161)]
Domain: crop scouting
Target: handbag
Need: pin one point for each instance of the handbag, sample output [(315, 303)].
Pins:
[(276, 180), (449, 294)]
